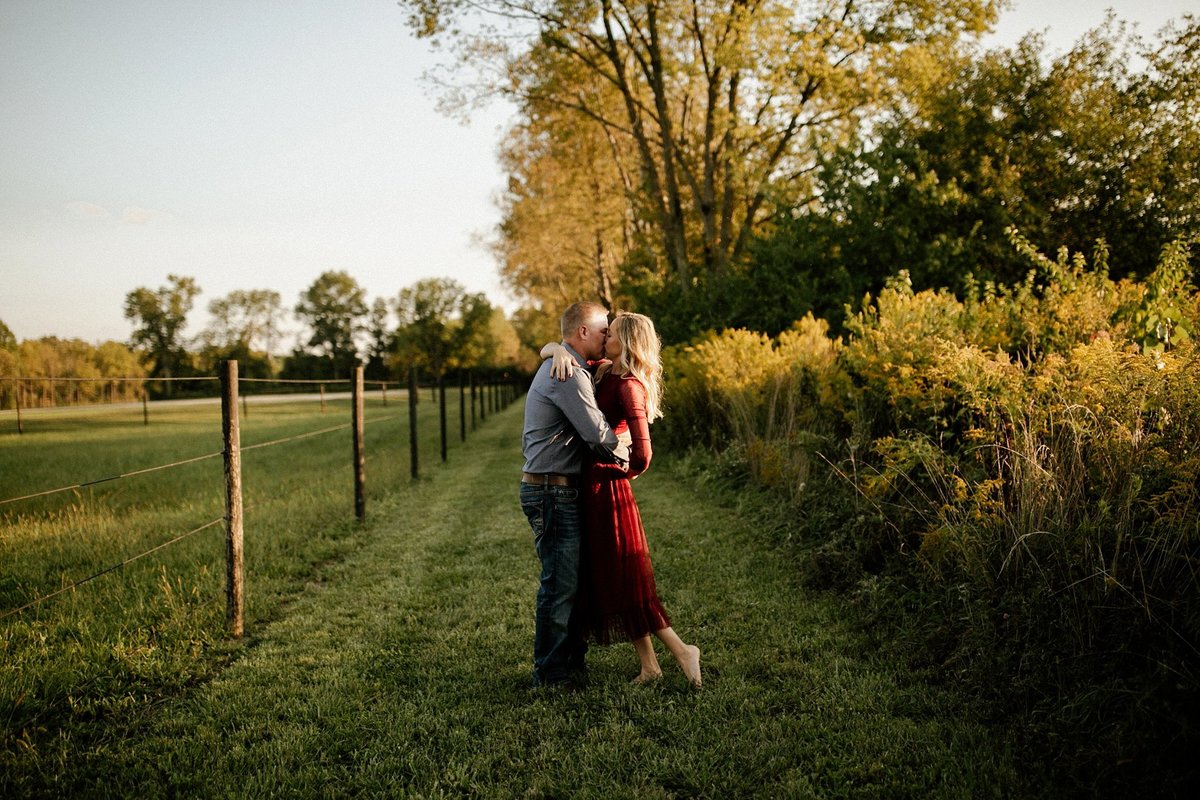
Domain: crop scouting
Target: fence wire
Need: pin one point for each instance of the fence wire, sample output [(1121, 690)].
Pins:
[(123, 379), (172, 541), (113, 478), (85, 484), (179, 463), (113, 568)]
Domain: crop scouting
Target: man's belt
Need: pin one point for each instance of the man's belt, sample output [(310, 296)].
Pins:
[(547, 479)]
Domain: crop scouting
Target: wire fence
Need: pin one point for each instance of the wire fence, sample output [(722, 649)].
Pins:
[(23, 396), (488, 395), (97, 481), (112, 568)]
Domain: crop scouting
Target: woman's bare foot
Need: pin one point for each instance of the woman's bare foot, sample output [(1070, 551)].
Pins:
[(690, 664), (646, 677)]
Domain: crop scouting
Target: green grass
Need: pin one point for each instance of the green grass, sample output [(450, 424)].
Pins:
[(401, 669), (156, 625)]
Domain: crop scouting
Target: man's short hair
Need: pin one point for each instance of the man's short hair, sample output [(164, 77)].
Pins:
[(578, 314)]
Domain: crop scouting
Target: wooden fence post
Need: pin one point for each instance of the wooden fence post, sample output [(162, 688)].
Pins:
[(471, 381), (462, 408), (235, 599), (145, 408), (412, 419), (20, 390), (441, 387), (360, 463), (383, 388), (322, 398), (483, 400)]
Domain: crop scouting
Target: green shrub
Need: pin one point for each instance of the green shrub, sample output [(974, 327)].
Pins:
[(1025, 458)]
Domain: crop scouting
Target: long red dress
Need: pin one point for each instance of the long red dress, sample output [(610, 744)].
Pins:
[(620, 600)]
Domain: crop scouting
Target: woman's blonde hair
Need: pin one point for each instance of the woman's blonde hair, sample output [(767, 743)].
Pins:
[(639, 357)]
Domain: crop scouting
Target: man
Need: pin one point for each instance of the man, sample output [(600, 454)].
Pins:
[(561, 422)]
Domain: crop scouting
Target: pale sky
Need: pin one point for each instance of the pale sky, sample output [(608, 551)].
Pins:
[(257, 143)]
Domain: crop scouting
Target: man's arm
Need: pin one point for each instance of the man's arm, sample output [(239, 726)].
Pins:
[(577, 400)]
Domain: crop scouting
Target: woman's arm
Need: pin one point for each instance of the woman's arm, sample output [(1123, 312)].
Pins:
[(633, 399), (564, 365)]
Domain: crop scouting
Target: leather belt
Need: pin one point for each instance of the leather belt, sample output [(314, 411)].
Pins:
[(547, 479)]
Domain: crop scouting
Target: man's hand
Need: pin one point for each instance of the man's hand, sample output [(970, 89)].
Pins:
[(626, 438)]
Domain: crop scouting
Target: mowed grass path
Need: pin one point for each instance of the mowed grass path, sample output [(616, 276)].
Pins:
[(404, 673)]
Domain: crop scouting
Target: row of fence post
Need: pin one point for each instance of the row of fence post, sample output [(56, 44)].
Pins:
[(490, 394), (493, 395)]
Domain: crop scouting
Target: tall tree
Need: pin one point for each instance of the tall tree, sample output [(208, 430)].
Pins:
[(245, 319), (244, 326), (725, 103), (509, 351), (8, 341), (380, 335), (1068, 149), (160, 316), (568, 225), (442, 326), (333, 307)]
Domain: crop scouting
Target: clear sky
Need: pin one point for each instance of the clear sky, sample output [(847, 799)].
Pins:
[(255, 144)]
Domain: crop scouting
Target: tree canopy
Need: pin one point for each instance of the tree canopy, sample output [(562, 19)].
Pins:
[(244, 325), (8, 341), (707, 116), (333, 308), (159, 316), (741, 162), (442, 326)]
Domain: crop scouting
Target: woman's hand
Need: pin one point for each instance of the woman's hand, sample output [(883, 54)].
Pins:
[(563, 365)]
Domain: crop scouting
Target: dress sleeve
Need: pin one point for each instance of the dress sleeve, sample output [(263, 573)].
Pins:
[(633, 400)]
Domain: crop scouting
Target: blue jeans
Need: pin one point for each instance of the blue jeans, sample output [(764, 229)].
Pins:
[(558, 647)]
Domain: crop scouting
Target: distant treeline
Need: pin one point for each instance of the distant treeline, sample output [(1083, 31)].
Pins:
[(434, 325)]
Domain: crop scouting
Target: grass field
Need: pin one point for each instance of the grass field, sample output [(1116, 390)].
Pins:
[(156, 625), (392, 659)]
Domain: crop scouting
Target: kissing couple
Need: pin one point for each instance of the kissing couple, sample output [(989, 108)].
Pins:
[(586, 436)]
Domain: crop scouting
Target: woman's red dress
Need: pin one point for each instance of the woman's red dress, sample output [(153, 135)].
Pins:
[(620, 599)]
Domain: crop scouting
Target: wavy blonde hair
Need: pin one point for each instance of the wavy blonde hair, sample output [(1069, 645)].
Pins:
[(640, 348)]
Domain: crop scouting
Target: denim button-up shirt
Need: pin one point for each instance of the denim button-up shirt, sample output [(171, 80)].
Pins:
[(561, 419)]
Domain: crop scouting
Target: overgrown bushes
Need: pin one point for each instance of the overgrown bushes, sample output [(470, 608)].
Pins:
[(1026, 459)]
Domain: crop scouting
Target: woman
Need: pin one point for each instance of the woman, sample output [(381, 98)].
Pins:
[(620, 601)]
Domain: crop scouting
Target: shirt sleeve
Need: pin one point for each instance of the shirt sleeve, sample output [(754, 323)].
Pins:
[(577, 399), (633, 400)]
